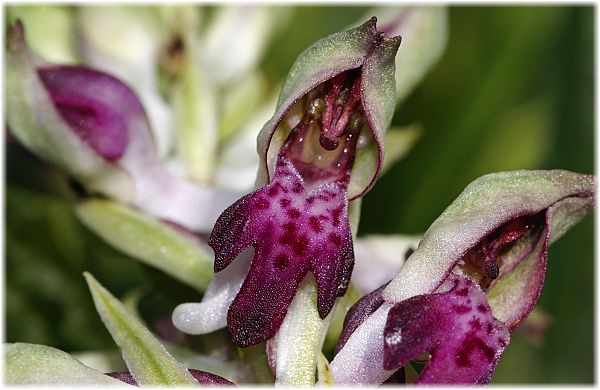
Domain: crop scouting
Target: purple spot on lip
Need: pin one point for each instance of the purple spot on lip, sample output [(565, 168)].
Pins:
[(293, 213), (315, 224), (96, 106), (462, 309), (462, 350)]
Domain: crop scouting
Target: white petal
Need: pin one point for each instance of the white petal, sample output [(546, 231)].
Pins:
[(211, 313), (360, 362)]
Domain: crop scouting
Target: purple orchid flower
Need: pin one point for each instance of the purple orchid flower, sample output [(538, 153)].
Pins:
[(93, 127), (476, 275), (333, 103)]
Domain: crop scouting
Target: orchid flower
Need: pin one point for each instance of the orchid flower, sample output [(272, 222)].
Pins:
[(332, 98), (194, 318), (92, 126), (475, 276), (162, 123)]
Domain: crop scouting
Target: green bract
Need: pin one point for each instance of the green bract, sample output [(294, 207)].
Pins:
[(29, 364), (147, 359)]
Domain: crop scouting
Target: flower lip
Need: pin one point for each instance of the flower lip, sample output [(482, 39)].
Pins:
[(298, 223), (455, 326)]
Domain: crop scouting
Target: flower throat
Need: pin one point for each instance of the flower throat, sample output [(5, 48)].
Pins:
[(313, 146)]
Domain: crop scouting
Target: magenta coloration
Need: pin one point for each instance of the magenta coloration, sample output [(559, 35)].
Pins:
[(298, 223), (96, 106), (202, 377), (456, 327)]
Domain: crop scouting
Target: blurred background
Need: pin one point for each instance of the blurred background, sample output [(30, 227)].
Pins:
[(513, 90)]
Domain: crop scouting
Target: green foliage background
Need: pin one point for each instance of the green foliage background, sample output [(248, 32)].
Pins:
[(513, 90)]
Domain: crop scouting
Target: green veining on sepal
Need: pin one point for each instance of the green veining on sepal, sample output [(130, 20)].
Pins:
[(150, 241), (147, 359)]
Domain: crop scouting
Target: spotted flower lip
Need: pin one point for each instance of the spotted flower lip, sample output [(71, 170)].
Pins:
[(493, 238), (92, 126), (362, 48), (455, 326)]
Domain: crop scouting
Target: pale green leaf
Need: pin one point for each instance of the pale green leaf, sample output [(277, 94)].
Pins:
[(33, 364), (148, 240), (147, 359)]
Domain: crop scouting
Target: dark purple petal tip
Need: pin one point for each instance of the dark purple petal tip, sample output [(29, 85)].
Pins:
[(97, 107), (456, 327), (202, 377)]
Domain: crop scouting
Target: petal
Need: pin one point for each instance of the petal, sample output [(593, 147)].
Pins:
[(202, 377), (120, 161), (211, 313), (379, 258), (486, 204), (457, 328), (146, 358), (31, 364), (514, 294), (322, 61), (358, 313), (378, 97), (229, 54), (132, 58), (35, 122), (360, 362)]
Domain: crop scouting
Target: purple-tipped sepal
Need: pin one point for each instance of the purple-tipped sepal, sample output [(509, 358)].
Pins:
[(456, 327)]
